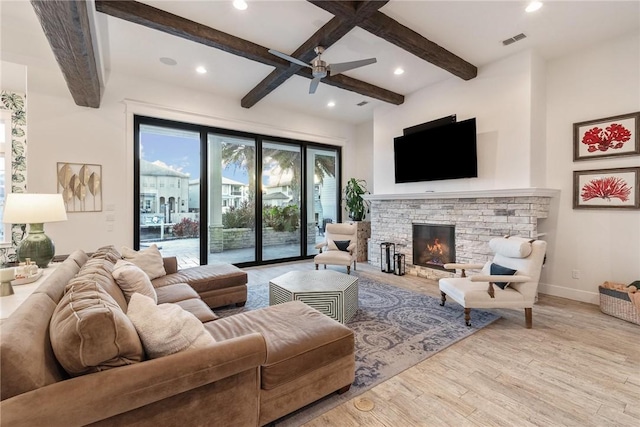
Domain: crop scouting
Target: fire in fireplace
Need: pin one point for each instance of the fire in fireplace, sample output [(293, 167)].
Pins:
[(433, 245)]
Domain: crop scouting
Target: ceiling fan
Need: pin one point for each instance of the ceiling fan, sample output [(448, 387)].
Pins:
[(319, 68)]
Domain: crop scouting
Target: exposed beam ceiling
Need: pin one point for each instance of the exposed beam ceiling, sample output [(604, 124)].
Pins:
[(66, 26), (152, 17), (392, 31)]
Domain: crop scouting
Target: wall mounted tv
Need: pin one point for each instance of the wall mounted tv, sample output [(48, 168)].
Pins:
[(442, 151)]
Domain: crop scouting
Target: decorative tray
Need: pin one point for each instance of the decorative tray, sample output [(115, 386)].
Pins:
[(29, 279)]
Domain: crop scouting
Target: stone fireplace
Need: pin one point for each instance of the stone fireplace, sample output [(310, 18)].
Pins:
[(434, 245), (474, 217)]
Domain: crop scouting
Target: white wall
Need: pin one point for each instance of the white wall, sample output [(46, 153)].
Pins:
[(601, 244), (60, 131), (500, 100)]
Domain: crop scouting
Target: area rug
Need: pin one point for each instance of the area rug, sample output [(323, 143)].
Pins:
[(394, 329)]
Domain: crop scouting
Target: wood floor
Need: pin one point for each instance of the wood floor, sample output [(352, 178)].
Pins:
[(576, 367)]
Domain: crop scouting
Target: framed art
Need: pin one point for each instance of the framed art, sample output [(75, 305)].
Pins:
[(80, 186), (607, 188), (611, 136)]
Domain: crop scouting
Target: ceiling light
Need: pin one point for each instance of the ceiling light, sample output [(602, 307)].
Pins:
[(398, 71), (240, 4), (331, 104), (201, 70), (168, 61), (533, 6)]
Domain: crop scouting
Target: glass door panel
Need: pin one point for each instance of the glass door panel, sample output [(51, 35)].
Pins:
[(322, 194), (232, 190), (169, 215), (281, 196)]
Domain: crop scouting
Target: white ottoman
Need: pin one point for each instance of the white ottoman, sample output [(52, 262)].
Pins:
[(330, 292)]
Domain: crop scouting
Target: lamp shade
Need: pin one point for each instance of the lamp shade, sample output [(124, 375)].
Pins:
[(32, 208)]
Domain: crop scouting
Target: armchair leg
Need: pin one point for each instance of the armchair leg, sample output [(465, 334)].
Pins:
[(348, 269), (528, 316), (443, 298), (316, 266), (467, 316)]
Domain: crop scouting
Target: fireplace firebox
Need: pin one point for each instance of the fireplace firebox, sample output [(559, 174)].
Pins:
[(433, 245)]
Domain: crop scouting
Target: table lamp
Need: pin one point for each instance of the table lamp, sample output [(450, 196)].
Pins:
[(35, 210)]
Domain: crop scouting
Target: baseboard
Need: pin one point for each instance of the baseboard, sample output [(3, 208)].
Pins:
[(569, 293)]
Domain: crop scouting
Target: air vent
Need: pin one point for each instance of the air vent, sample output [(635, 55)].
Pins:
[(362, 104), (513, 39)]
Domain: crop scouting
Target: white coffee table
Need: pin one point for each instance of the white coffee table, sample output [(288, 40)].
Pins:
[(330, 292)]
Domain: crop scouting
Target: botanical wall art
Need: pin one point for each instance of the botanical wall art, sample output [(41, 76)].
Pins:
[(611, 136), (607, 188), (81, 186)]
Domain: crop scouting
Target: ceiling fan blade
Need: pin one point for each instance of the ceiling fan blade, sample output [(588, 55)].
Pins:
[(288, 58), (314, 85), (346, 66)]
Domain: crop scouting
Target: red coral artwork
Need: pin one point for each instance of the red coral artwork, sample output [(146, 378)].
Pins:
[(607, 188), (612, 137)]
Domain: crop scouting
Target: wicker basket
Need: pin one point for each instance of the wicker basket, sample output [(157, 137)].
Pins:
[(617, 303)]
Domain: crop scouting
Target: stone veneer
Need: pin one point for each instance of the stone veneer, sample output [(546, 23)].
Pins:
[(478, 216)]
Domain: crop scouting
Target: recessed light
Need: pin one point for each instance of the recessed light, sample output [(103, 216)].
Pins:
[(168, 61), (398, 71), (201, 70), (331, 104), (240, 4), (533, 6)]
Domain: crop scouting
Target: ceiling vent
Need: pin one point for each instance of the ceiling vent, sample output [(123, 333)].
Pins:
[(362, 104), (513, 39)]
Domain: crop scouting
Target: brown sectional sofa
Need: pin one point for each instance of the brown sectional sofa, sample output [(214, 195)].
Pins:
[(259, 368)]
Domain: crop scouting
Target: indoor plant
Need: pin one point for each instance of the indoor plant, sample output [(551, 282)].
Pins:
[(356, 205)]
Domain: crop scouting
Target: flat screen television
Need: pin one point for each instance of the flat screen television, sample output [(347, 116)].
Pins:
[(442, 152)]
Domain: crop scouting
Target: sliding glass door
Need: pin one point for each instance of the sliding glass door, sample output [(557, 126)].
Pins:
[(209, 195)]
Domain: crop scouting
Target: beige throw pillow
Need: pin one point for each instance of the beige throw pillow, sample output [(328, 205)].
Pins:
[(131, 279), (149, 260), (166, 328), (90, 333)]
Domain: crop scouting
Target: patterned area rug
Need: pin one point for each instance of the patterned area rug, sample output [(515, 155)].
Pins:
[(394, 330)]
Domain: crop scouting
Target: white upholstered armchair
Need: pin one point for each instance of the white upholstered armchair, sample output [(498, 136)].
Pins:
[(510, 280), (339, 247)]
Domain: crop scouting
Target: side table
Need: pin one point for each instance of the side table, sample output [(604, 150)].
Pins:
[(10, 303)]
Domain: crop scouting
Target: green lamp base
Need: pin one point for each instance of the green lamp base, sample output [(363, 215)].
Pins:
[(37, 246)]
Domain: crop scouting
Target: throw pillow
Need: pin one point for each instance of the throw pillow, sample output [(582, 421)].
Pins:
[(499, 270), (166, 328), (149, 260), (131, 279), (342, 244), (89, 331), (512, 247)]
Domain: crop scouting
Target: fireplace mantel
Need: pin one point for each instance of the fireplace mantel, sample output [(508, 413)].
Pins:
[(473, 194)]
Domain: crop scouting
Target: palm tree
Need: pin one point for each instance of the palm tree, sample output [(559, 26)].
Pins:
[(243, 157)]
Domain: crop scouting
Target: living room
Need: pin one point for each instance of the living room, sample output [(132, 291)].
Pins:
[(525, 107)]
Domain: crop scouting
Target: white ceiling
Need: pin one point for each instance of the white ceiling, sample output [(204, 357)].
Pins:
[(472, 30)]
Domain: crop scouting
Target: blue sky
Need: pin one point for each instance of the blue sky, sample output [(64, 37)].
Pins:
[(181, 153)]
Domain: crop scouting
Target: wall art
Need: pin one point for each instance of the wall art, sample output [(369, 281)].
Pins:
[(611, 136), (607, 188), (81, 186)]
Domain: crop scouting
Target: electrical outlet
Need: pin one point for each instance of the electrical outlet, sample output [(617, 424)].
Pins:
[(575, 274), (109, 227)]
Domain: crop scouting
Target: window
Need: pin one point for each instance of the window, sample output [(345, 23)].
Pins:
[(5, 171)]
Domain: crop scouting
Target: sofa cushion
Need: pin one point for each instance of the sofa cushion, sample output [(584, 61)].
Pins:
[(205, 277), (89, 332), (149, 260), (198, 308), (101, 271), (110, 253), (166, 328), (175, 293), (131, 279), (299, 339)]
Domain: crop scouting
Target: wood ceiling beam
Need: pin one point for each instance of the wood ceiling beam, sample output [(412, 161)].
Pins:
[(169, 23), (326, 36), (66, 26), (392, 31)]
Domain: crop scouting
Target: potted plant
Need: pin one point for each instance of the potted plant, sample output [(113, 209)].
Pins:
[(356, 205)]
